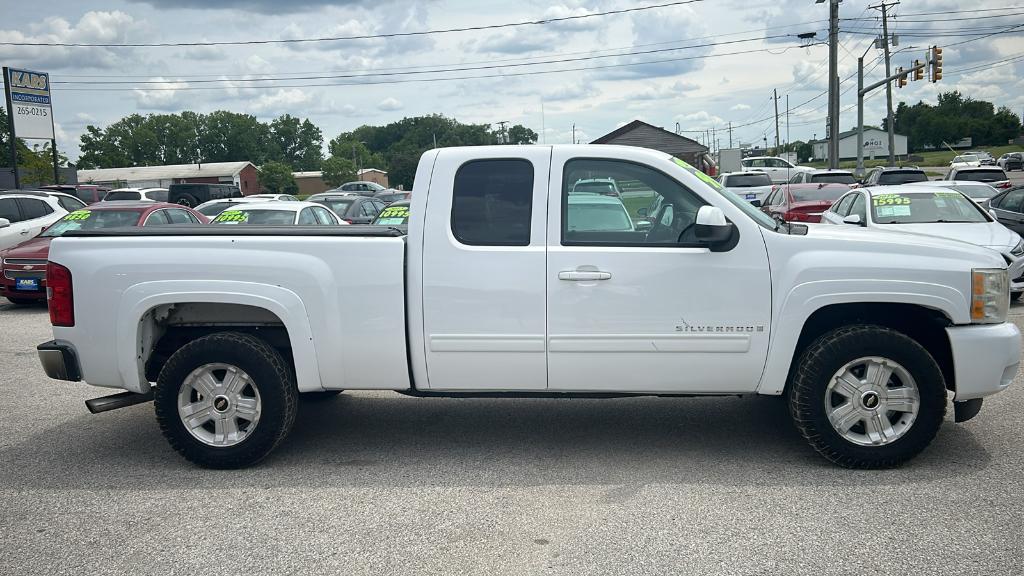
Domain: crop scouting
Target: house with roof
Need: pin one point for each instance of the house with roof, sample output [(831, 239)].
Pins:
[(242, 174)]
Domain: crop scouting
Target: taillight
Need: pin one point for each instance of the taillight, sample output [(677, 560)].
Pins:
[(349, 220), (793, 216), (59, 295), (1005, 184)]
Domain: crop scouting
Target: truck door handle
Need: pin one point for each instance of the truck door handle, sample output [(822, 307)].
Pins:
[(583, 276)]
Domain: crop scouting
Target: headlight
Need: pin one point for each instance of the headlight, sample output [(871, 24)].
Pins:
[(1018, 250), (990, 295)]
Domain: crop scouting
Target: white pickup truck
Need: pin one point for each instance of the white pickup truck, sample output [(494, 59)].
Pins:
[(509, 283)]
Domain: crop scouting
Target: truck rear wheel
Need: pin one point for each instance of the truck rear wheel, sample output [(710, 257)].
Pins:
[(867, 397), (225, 400)]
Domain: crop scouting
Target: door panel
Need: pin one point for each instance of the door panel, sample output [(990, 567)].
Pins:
[(651, 316), (483, 270)]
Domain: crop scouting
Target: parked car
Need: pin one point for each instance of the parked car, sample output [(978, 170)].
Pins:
[(606, 186), (1008, 208), (67, 201), (273, 213), (395, 215), (213, 207), (751, 186), (802, 202), (194, 194), (984, 157), (965, 161), (351, 209), (278, 197), (918, 209), (24, 214), (870, 331), (824, 177), (389, 196), (890, 175), (779, 170), (1011, 161), (137, 194), (977, 191), (88, 193), (361, 188), (991, 175), (23, 267), (598, 212)]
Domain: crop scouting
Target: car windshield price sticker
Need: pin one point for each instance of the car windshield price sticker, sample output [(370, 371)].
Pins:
[(78, 215), (890, 200), (232, 217)]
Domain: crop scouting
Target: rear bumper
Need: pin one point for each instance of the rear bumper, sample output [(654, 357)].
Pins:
[(59, 360), (7, 290), (985, 358)]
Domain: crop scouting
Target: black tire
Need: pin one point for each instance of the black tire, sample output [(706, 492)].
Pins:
[(319, 396), (188, 200), (1015, 296), (270, 375), (23, 301), (830, 352)]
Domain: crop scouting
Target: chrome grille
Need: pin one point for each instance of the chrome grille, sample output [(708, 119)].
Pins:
[(24, 262), (16, 274)]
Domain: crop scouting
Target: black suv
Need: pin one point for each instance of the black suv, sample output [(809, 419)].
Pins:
[(192, 195), (888, 176)]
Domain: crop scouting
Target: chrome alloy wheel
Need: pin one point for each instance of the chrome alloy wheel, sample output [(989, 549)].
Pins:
[(872, 401), (219, 405)]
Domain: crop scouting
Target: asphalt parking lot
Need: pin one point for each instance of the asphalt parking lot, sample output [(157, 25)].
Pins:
[(380, 483)]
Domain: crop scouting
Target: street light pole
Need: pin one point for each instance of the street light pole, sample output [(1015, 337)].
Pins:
[(833, 83)]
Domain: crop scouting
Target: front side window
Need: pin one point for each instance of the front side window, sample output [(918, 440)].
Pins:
[(307, 218), (70, 204), (842, 207), (323, 216), (178, 216), (492, 202), (859, 208), (9, 210), (158, 218), (658, 210), (1013, 201)]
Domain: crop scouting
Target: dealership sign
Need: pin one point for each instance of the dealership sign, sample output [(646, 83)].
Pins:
[(28, 99)]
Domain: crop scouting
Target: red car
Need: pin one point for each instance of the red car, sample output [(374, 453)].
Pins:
[(801, 202), (88, 193), (23, 267)]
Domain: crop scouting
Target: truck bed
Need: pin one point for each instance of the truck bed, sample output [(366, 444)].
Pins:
[(225, 230)]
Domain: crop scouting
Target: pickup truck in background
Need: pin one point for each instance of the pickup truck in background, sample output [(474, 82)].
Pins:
[(502, 288)]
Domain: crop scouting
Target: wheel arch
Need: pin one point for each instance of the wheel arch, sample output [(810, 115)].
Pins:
[(158, 315), (924, 324)]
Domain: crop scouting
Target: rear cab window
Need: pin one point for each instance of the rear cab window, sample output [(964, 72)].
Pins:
[(492, 202)]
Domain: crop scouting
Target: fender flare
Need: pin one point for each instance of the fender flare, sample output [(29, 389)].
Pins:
[(807, 299), (140, 299)]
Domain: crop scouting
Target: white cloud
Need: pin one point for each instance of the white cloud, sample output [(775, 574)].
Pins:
[(739, 107), (91, 28), (162, 94), (389, 104)]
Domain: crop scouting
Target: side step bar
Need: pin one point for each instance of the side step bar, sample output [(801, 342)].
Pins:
[(115, 401)]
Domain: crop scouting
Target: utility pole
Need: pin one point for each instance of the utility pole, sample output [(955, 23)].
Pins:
[(730, 134), (787, 121), (501, 130), (859, 170), (775, 100), (714, 139), (832, 125), (573, 132), (888, 87)]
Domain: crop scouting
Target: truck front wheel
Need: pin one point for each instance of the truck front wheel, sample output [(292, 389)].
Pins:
[(225, 400), (867, 396)]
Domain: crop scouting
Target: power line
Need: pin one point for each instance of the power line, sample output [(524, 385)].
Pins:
[(358, 37), (268, 78)]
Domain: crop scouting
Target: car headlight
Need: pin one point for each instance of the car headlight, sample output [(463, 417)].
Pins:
[(990, 295), (1018, 250)]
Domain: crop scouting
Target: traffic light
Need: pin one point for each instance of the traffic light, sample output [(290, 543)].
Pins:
[(901, 80), (936, 63), (919, 73)]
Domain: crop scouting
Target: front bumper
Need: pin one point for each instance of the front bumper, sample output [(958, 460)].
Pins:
[(985, 358), (59, 360), (7, 289)]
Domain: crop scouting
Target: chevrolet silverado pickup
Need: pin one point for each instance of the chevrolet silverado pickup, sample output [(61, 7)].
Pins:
[(510, 282)]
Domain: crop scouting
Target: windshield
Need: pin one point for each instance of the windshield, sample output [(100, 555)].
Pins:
[(596, 187), (924, 208), (745, 206), (393, 216), (823, 194), (339, 206), (256, 217), (213, 209), (833, 178), (981, 175), (92, 220), (902, 177), (747, 180), (121, 195)]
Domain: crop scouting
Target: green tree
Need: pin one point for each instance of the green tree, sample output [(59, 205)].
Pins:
[(300, 143), (338, 170), (276, 178), (23, 151), (521, 135)]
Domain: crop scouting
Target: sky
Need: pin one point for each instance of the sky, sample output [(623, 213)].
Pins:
[(676, 66)]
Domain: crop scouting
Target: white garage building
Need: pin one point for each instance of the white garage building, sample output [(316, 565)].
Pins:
[(876, 145)]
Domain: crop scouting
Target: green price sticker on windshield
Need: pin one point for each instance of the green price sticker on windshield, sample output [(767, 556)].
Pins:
[(232, 216), (78, 215), (890, 200), (702, 176), (395, 212)]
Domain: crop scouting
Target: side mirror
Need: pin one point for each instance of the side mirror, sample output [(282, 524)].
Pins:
[(712, 229), (755, 203), (641, 212), (991, 213), (4, 222), (643, 226), (853, 219)]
